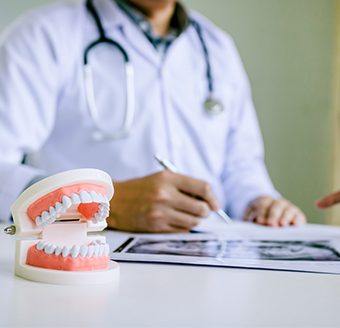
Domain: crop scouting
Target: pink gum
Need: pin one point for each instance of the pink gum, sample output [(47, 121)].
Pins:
[(57, 262), (44, 203)]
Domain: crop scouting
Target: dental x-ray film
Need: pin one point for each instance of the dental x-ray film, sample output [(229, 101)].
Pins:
[(309, 255)]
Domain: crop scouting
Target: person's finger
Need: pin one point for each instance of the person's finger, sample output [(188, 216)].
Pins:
[(260, 219), (160, 221), (249, 214), (329, 200), (190, 205), (299, 219), (260, 209), (261, 206), (180, 220), (197, 188), (288, 216), (275, 212)]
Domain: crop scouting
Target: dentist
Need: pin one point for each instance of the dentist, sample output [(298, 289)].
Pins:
[(108, 84)]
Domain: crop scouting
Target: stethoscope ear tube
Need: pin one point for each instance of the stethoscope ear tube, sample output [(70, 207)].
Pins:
[(130, 97), (99, 133)]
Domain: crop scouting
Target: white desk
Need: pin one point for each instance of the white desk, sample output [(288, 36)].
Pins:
[(172, 296)]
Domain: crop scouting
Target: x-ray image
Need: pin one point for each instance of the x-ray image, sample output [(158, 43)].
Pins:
[(240, 249)]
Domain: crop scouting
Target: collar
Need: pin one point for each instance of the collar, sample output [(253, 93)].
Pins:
[(178, 22), (113, 18)]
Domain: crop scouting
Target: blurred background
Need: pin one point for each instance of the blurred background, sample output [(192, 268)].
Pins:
[(290, 52)]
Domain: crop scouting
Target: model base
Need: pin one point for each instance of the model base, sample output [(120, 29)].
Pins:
[(68, 277)]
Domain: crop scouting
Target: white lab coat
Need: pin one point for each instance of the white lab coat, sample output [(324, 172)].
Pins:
[(43, 112)]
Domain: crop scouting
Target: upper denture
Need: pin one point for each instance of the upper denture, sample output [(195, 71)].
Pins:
[(90, 200)]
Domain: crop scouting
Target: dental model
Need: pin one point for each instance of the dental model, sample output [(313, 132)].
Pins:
[(56, 214)]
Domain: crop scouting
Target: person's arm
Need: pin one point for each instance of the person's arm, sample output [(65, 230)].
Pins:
[(248, 188), (28, 98)]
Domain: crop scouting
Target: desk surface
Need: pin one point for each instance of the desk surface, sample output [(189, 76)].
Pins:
[(172, 296)]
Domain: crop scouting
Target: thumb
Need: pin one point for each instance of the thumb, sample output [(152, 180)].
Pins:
[(329, 200)]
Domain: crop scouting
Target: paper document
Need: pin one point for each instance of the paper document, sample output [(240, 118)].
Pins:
[(280, 250)]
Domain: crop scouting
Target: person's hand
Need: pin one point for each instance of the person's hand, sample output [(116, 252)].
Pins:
[(162, 202), (329, 200), (272, 212)]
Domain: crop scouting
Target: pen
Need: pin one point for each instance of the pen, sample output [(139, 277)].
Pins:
[(166, 164)]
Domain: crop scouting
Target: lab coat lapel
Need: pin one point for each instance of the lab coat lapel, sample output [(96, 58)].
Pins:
[(113, 17)]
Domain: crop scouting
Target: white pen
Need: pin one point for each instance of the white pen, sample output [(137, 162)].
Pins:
[(166, 164)]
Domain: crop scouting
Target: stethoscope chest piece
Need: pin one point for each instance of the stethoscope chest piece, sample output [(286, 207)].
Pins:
[(213, 106)]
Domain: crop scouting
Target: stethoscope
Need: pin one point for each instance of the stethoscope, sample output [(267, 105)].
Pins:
[(211, 105)]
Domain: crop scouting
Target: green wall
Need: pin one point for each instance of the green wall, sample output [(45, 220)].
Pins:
[(286, 46)]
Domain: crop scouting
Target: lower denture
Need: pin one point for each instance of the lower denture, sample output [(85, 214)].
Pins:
[(39, 258)]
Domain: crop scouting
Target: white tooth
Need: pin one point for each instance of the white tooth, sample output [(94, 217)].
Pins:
[(83, 250), (52, 249), (96, 250), (58, 250), (105, 205), (64, 209), (97, 218), (101, 250), (103, 214), (90, 251), (101, 198), (98, 241), (51, 219), (45, 217), (67, 203), (40, 246), (65, 251), (104, 208), (58, 207), (85, 197), (49, 248), (75, 251), (46, 247), (94, 196), (75, 199), (101, 208), (107, 250), (53, 212), (38, 220), (53, 215), (103, 218)]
